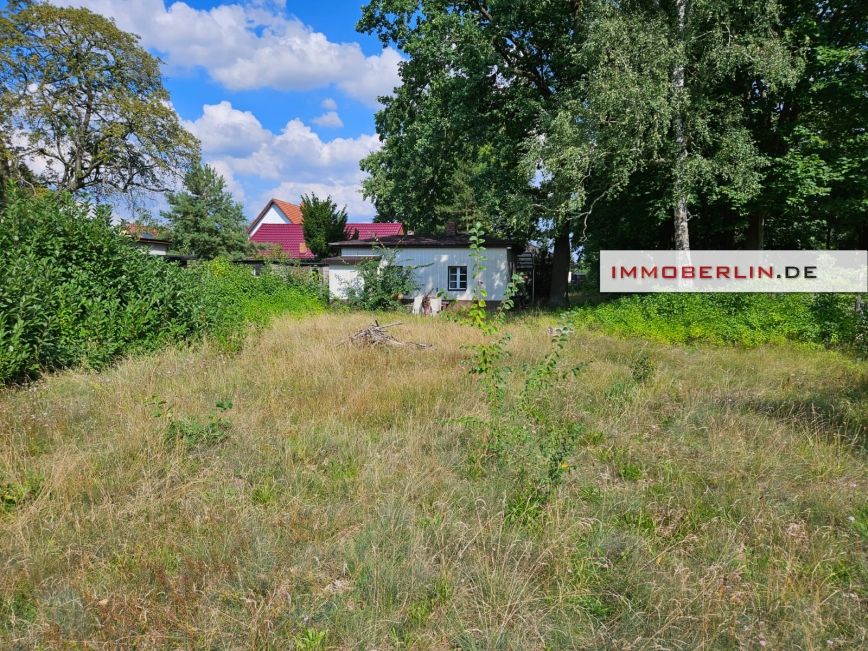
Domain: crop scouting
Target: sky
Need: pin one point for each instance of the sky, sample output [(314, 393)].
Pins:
[(281, 93)]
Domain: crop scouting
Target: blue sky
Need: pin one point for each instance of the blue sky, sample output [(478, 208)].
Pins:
[(282, 93)]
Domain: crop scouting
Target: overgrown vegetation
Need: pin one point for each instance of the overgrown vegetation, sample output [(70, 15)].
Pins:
[(75, 292), (742, 319), (631, 496), (381, 283), (233, 299)]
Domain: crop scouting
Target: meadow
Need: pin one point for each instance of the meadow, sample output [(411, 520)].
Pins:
[(301, 494)]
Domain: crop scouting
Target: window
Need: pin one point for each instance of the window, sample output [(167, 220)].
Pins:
[(457, 279)]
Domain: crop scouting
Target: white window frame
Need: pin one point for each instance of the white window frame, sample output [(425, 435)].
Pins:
[(460, 275)]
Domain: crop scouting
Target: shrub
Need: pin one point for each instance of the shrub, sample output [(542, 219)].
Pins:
[(235, 300), (381, 283), (75, 292), (742, 319)]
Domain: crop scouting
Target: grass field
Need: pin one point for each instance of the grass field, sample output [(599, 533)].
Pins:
[(348, 498)]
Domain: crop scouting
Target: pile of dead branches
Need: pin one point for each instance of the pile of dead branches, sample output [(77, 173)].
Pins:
[(376, 335)]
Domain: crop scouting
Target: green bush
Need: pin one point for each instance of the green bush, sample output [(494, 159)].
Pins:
[(235, 300), (381, 283), (742, 319), (75, 292), (72, 291)]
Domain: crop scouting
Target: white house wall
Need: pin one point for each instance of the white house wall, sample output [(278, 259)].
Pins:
[(433, 267), (273, 216), (340, 277)]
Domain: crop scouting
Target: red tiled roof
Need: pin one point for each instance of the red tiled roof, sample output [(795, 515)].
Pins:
[(290, 237), (370, 231), (292, 211)]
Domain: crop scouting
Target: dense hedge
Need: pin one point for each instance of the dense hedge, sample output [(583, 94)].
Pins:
[(742, 319), (75, 292)]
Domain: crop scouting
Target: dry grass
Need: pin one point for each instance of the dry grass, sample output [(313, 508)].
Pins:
[(719, 503)]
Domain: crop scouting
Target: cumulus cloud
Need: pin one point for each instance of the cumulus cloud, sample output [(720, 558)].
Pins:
[(252, 45), (329, 104), (295, 160), (343, 194), (329, 119), (224, 130)]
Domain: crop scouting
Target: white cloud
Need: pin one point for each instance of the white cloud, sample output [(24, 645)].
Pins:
[(224, 130), (253, 45), (343, 194), (329, 119), (296, 160), (329, 104)]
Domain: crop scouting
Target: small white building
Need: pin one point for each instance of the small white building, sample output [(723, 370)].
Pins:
[(442, 264), (153, 245)]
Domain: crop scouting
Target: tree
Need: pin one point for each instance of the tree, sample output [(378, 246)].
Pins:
[(83, 105), (559, 107), (323, 222), (815, 189), (471, 92), (204, 219)]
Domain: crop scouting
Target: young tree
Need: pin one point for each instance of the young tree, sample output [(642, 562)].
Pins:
[(204, 219), (323, 222), (84, 105)]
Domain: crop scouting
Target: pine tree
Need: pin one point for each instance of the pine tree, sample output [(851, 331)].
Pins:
[(204, 219)]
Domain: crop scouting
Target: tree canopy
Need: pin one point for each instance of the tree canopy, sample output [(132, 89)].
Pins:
[(204, 219), (82, 105), (660, 124), (323, 222)]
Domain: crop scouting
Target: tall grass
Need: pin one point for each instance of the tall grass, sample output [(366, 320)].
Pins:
[(321, 496)]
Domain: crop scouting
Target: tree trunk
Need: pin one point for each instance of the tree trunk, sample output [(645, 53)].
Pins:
[(681, 216), (756, 232), (560, 269)]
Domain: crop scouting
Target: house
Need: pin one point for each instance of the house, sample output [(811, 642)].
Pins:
[(153, 245), (443, 263), (280, 223), (147, 238)]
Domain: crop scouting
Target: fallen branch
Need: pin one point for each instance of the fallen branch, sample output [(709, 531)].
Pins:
[(376, 335)]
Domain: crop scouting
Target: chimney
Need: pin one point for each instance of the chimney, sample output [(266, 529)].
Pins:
[(451, 229)]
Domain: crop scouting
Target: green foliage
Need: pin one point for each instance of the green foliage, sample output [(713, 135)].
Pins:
[(194, 432), (235, 300), (549, 118), (86, 103), (522, 439), (323, 223), (15, 493), (381, 283), (75, 292), (204, 219), (453, 132), (311, 640), (742, 319), (490, 353)]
